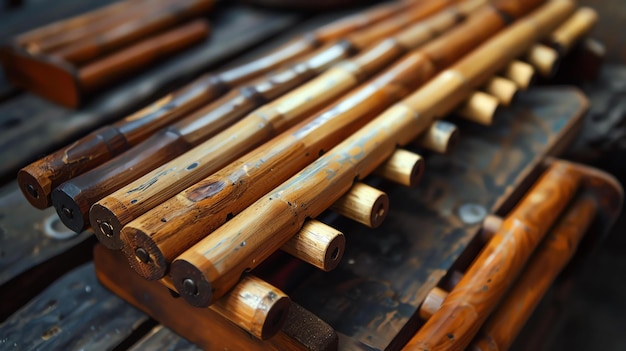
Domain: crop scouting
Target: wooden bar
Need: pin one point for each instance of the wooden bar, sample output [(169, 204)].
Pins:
[(440, 137), (501, 88), (402, 167), (317, 244), (479, 107), (521, 73), (364, 204)]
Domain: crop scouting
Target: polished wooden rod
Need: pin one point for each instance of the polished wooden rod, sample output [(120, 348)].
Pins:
[(264, 168), (37, 35), (165, 181), (38, 179), (317, 244), (486, 281), (500, 330), (90, 48), (111, 68), (272, 220)]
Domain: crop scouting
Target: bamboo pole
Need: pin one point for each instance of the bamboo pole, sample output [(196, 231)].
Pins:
[(119, 208), (39, 178), (500, 330), (271, 221), (520, 72), (479, 107), (277, 160), (502, 89)]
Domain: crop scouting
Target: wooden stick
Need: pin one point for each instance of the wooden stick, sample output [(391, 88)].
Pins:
[(364, 204), (440, 137), (543, 58), (271, 221), (266, 167), (119, 208), (432, 303), (95, 27), (253, 304), (142, 54), (479, 107), (90, 48), (39, 178), (317, 244), (62, 26), (500, 330), (502, 89), (402, 167), (462, 313), (520, 72), (581, 22)]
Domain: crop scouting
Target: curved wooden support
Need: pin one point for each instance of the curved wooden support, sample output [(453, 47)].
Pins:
[(494, 270), (556, 250)]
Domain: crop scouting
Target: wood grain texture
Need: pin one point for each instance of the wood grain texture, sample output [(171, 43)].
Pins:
[(402, 167), (556, 250), (364, 204), (471, 301), (280, 213), (317, 244)]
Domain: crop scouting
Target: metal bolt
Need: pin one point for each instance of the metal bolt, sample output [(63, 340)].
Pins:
[(142, 255), (189, 286), (67, 212), (106, 228), (32, 191)]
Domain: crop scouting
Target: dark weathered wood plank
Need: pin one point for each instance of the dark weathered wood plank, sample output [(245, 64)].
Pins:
[(75, 313)]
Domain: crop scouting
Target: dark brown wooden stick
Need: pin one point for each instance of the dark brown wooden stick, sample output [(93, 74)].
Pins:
[(271, 220), (111, 68), (39, 178), (91, 48), (500, 330)]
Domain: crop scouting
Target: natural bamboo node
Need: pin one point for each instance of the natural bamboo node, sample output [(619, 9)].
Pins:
[(402, 167), (364, 204)]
